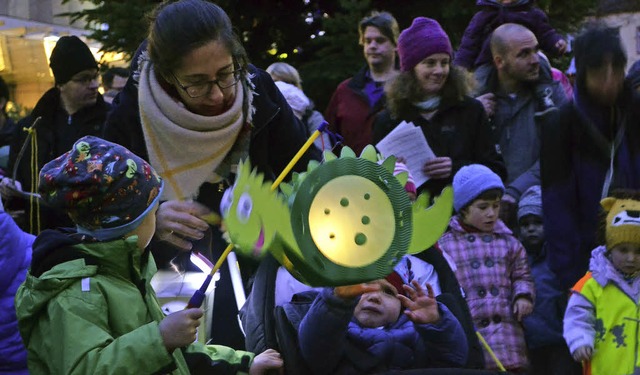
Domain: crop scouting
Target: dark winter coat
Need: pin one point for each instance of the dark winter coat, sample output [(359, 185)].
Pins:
[(517, 131), (7, 132), (56, 133), (15, 257), (475, 48), (350, 114), (544, 326), (328, 326), (276, 135), (459, 130), (575, 158)]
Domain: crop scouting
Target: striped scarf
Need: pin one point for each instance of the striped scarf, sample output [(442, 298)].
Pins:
[(187, 149)]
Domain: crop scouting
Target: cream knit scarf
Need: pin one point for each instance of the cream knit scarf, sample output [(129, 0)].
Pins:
[(185, 148)]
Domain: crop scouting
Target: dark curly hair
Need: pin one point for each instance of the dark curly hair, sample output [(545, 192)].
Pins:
[(404, 90)]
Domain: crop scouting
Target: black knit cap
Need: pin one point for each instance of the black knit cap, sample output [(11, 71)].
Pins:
[(69, 57)]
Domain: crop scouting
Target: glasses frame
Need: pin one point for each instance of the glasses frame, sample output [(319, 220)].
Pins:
[(237, 73)]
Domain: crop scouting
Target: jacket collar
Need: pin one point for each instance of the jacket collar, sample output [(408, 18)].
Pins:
[(456, 225)]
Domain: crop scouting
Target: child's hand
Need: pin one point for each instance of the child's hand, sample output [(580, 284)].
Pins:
[(179, 329), (583, 353), (488, 101), (353, 291), (422, 307), (561, 46), (522, 307), (267, 360)]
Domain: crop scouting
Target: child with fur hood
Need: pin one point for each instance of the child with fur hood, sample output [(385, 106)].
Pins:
[(474, 48)]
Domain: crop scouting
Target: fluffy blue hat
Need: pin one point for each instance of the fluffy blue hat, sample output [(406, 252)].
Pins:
[(471, 181), (106, 189)]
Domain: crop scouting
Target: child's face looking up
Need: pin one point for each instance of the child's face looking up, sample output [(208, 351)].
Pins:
[(482, 214), (626, 257), (376, 309), (531, 230)]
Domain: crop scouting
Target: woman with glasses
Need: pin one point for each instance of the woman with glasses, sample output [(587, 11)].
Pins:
[(193, 107)]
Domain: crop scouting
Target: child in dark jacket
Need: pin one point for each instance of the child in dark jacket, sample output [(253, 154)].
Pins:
[(15, 256), (87, 305), (475, 51), (548, 352), (474, 48), (399, 326)]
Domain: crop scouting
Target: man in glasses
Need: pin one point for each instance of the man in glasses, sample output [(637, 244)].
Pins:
[(67, 112)]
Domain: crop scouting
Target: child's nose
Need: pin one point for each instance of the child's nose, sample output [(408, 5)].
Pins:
[(373, 296)]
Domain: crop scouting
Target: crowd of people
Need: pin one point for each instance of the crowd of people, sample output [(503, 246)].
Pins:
[(543, 247)]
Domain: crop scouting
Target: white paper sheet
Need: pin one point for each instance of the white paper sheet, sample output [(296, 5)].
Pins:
[(407, 141)]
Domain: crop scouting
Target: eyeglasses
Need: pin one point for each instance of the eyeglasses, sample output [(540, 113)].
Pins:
[(86, 79), (225, 81)]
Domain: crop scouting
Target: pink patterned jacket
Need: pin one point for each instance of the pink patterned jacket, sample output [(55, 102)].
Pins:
[(492, 269)]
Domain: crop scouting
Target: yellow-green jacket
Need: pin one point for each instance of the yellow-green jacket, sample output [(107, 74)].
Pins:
[(603, 313), (88, 308)]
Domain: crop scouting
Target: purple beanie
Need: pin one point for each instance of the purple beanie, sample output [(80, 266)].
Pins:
[(422, 39)]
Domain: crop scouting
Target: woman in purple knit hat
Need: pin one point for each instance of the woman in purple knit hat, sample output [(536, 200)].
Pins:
[(432, 94)]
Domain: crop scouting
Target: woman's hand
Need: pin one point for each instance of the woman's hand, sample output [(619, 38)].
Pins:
[(178, 223), (421, 307), (439, 167), (488, 101)]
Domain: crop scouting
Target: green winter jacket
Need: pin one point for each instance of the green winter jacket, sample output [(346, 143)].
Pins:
[(88, 308)]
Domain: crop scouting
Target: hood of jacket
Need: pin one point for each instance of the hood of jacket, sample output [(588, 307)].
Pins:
[(604, 272), (61, 259)]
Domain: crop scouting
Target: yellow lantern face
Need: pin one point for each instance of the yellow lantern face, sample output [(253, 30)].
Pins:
[(351, 221)]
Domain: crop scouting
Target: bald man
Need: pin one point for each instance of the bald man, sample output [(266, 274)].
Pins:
[(510, 92)]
